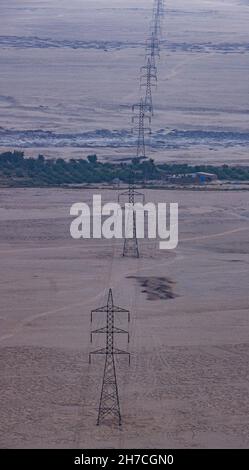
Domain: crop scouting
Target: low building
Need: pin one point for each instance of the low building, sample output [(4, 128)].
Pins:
[(203, 177), (185, 178), (199, 177)]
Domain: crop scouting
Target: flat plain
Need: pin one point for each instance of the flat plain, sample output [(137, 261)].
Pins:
[(187, 385)]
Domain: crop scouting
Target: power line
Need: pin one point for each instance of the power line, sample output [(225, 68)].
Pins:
[(148, 80), (109, 404), (139, 117), (130, 247)]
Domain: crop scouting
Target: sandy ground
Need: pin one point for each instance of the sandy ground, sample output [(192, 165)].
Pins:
[(187, 385), (69, 74)]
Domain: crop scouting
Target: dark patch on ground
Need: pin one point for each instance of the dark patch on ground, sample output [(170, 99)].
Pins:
[(156, 287)]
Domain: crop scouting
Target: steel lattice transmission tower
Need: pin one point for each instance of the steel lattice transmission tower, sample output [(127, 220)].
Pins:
[(158, 9), (148, 80), (153, 48), (158, 13), (109, 405), (138, 120), (130, 247)]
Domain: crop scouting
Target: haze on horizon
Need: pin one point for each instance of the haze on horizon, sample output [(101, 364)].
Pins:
[(69, 74)]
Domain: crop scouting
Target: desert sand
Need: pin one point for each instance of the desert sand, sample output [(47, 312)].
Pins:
[(187, 385)]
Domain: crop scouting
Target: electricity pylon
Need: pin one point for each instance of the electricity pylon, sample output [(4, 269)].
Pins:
[(138, 121), (148, 80), (153, 48), (130, 247), (109, 405), (158, 13), (158, 8)]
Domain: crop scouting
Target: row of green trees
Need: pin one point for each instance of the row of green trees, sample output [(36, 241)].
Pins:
[(17, 170)]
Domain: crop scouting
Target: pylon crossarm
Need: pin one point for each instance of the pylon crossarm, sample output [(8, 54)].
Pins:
[(125, 193), (115, 329), (100, 330), (102, 351), (148, 76), (136, 193), (120, 351), (138, 106), (119, 330), (139, 115), (100, 309), (120, 309), (99, 351)]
